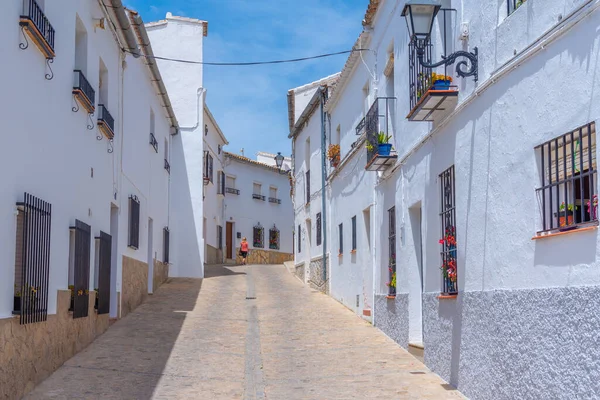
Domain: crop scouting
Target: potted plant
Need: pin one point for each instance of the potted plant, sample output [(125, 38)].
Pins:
[(440, 81), (392, 283), (384, 147), (333, 153), (565, 215), (593, 208)]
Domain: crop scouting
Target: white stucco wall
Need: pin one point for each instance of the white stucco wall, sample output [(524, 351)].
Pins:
[(245, 212), (214, 202), (52, 153), (182, 38)]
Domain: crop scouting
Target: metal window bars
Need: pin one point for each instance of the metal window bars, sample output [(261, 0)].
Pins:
[(32, 264), (274, 200), (81, 284), (341, 238), (166, 244), (319, 229), (33, 12), (153, 142), (354, 233), (391, 250), (378, 119), (232, 191), (103, 293), (568, 195), (82, 86), (134, 222), (259, 236), (448, 225), (512, 5), (274, 238)]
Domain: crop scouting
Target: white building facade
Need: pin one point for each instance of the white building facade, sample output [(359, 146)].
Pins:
[(214, 189), (258, 207), (494, 276), (86, 194)]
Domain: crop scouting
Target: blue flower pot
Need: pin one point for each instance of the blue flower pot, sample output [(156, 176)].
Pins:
[(384, 149), (441, 85)]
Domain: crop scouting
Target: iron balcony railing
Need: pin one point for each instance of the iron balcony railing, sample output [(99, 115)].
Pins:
[(232, 191), (167, 166), (258, 197), (33, 12), (512, 5), (81, 83), (378, 120), (360, 128), (104, 116), (419, 77), (274, 200), (153, 142)]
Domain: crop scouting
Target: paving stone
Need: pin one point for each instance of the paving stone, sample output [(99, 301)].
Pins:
[(201, 339)]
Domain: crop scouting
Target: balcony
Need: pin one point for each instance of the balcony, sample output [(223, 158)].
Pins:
[(258, 197), (153, 142), (232, 191), (35, 24), (106, 123), (428, 101), (274, 200), (83, 91), (167, 166), (378, 132)]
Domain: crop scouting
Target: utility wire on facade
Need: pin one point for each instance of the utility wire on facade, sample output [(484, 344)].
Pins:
[(292, 60)]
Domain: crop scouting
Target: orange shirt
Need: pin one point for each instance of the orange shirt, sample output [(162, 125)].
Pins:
[(244, 246)]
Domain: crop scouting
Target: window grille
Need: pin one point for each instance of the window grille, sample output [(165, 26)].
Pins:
[(220, 237), (448, 224), (392, 250), (354, 233), (568, 195), (259, 236), (81, 270), (319, 229), (299, 235), (341, 238), (134, 222), (307, 187), (512, 5), (274, 238), (32, 259)]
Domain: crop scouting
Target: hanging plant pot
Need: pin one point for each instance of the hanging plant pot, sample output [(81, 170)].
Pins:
[(441, 85), (384, 149)]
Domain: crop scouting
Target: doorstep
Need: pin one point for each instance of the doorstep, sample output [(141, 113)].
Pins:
[(417, 350)]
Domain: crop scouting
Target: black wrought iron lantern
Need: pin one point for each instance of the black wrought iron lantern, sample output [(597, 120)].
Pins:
[(279, 160), (420, 15)]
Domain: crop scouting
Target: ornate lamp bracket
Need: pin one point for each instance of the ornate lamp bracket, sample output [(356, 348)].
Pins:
[(463, 69)]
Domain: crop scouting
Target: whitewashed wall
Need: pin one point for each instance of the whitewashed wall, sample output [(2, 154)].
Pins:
[(213, 202), (246, 212), (182, 38), (52, 153)]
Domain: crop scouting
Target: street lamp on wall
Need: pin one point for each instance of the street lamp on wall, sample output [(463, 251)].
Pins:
[(420, 15), (279, 162)]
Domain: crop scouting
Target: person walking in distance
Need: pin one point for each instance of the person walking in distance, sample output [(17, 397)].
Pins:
[(244, 250)]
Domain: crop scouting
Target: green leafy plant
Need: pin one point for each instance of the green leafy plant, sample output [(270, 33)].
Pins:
[(382, 138), (569, 207)]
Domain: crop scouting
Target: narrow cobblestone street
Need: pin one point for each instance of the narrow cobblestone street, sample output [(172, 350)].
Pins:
[(202, 339)]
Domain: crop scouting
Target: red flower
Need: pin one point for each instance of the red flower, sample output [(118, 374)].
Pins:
[(441, 241)]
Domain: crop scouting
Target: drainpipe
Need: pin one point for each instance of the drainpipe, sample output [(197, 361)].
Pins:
[(323, 90)]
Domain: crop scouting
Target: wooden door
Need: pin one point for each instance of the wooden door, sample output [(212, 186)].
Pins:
[(229, 240)]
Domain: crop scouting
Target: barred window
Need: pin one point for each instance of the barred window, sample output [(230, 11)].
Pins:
[(134, 222), (319, 229), (341, 238), (274, 238), (220, 237), (299, 235), (392, 251), (448, 224), (259, 236), (568, 195), (354, 233)]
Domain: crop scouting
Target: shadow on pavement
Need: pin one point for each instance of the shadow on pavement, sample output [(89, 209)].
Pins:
[(213, 271)]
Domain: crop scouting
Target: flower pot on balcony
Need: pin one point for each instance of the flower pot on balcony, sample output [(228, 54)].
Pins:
[(565, 219), (384, 149), (441, 85)]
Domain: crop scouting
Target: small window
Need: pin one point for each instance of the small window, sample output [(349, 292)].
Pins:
[(568, 195), (512, 5), (319, 229), (307, 187), (354, 233), (219, 148), (274, 238), (259, 236), (392, 251), (134, 222), (448, 224), (220, 182), (166, 238), (257, 188), (341, 238), (205, 130), (208, 166), (299, 236)]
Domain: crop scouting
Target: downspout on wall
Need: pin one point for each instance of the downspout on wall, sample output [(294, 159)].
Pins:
[(323, 90)]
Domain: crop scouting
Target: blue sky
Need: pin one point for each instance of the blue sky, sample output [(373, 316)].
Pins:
[(250, 102)]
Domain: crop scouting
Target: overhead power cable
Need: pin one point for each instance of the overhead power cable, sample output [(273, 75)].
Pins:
[(249, 63)]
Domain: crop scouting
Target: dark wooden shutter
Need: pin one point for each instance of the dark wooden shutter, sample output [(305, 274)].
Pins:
[(134, 222), (81, 269), (166, 238), (105, 258)]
